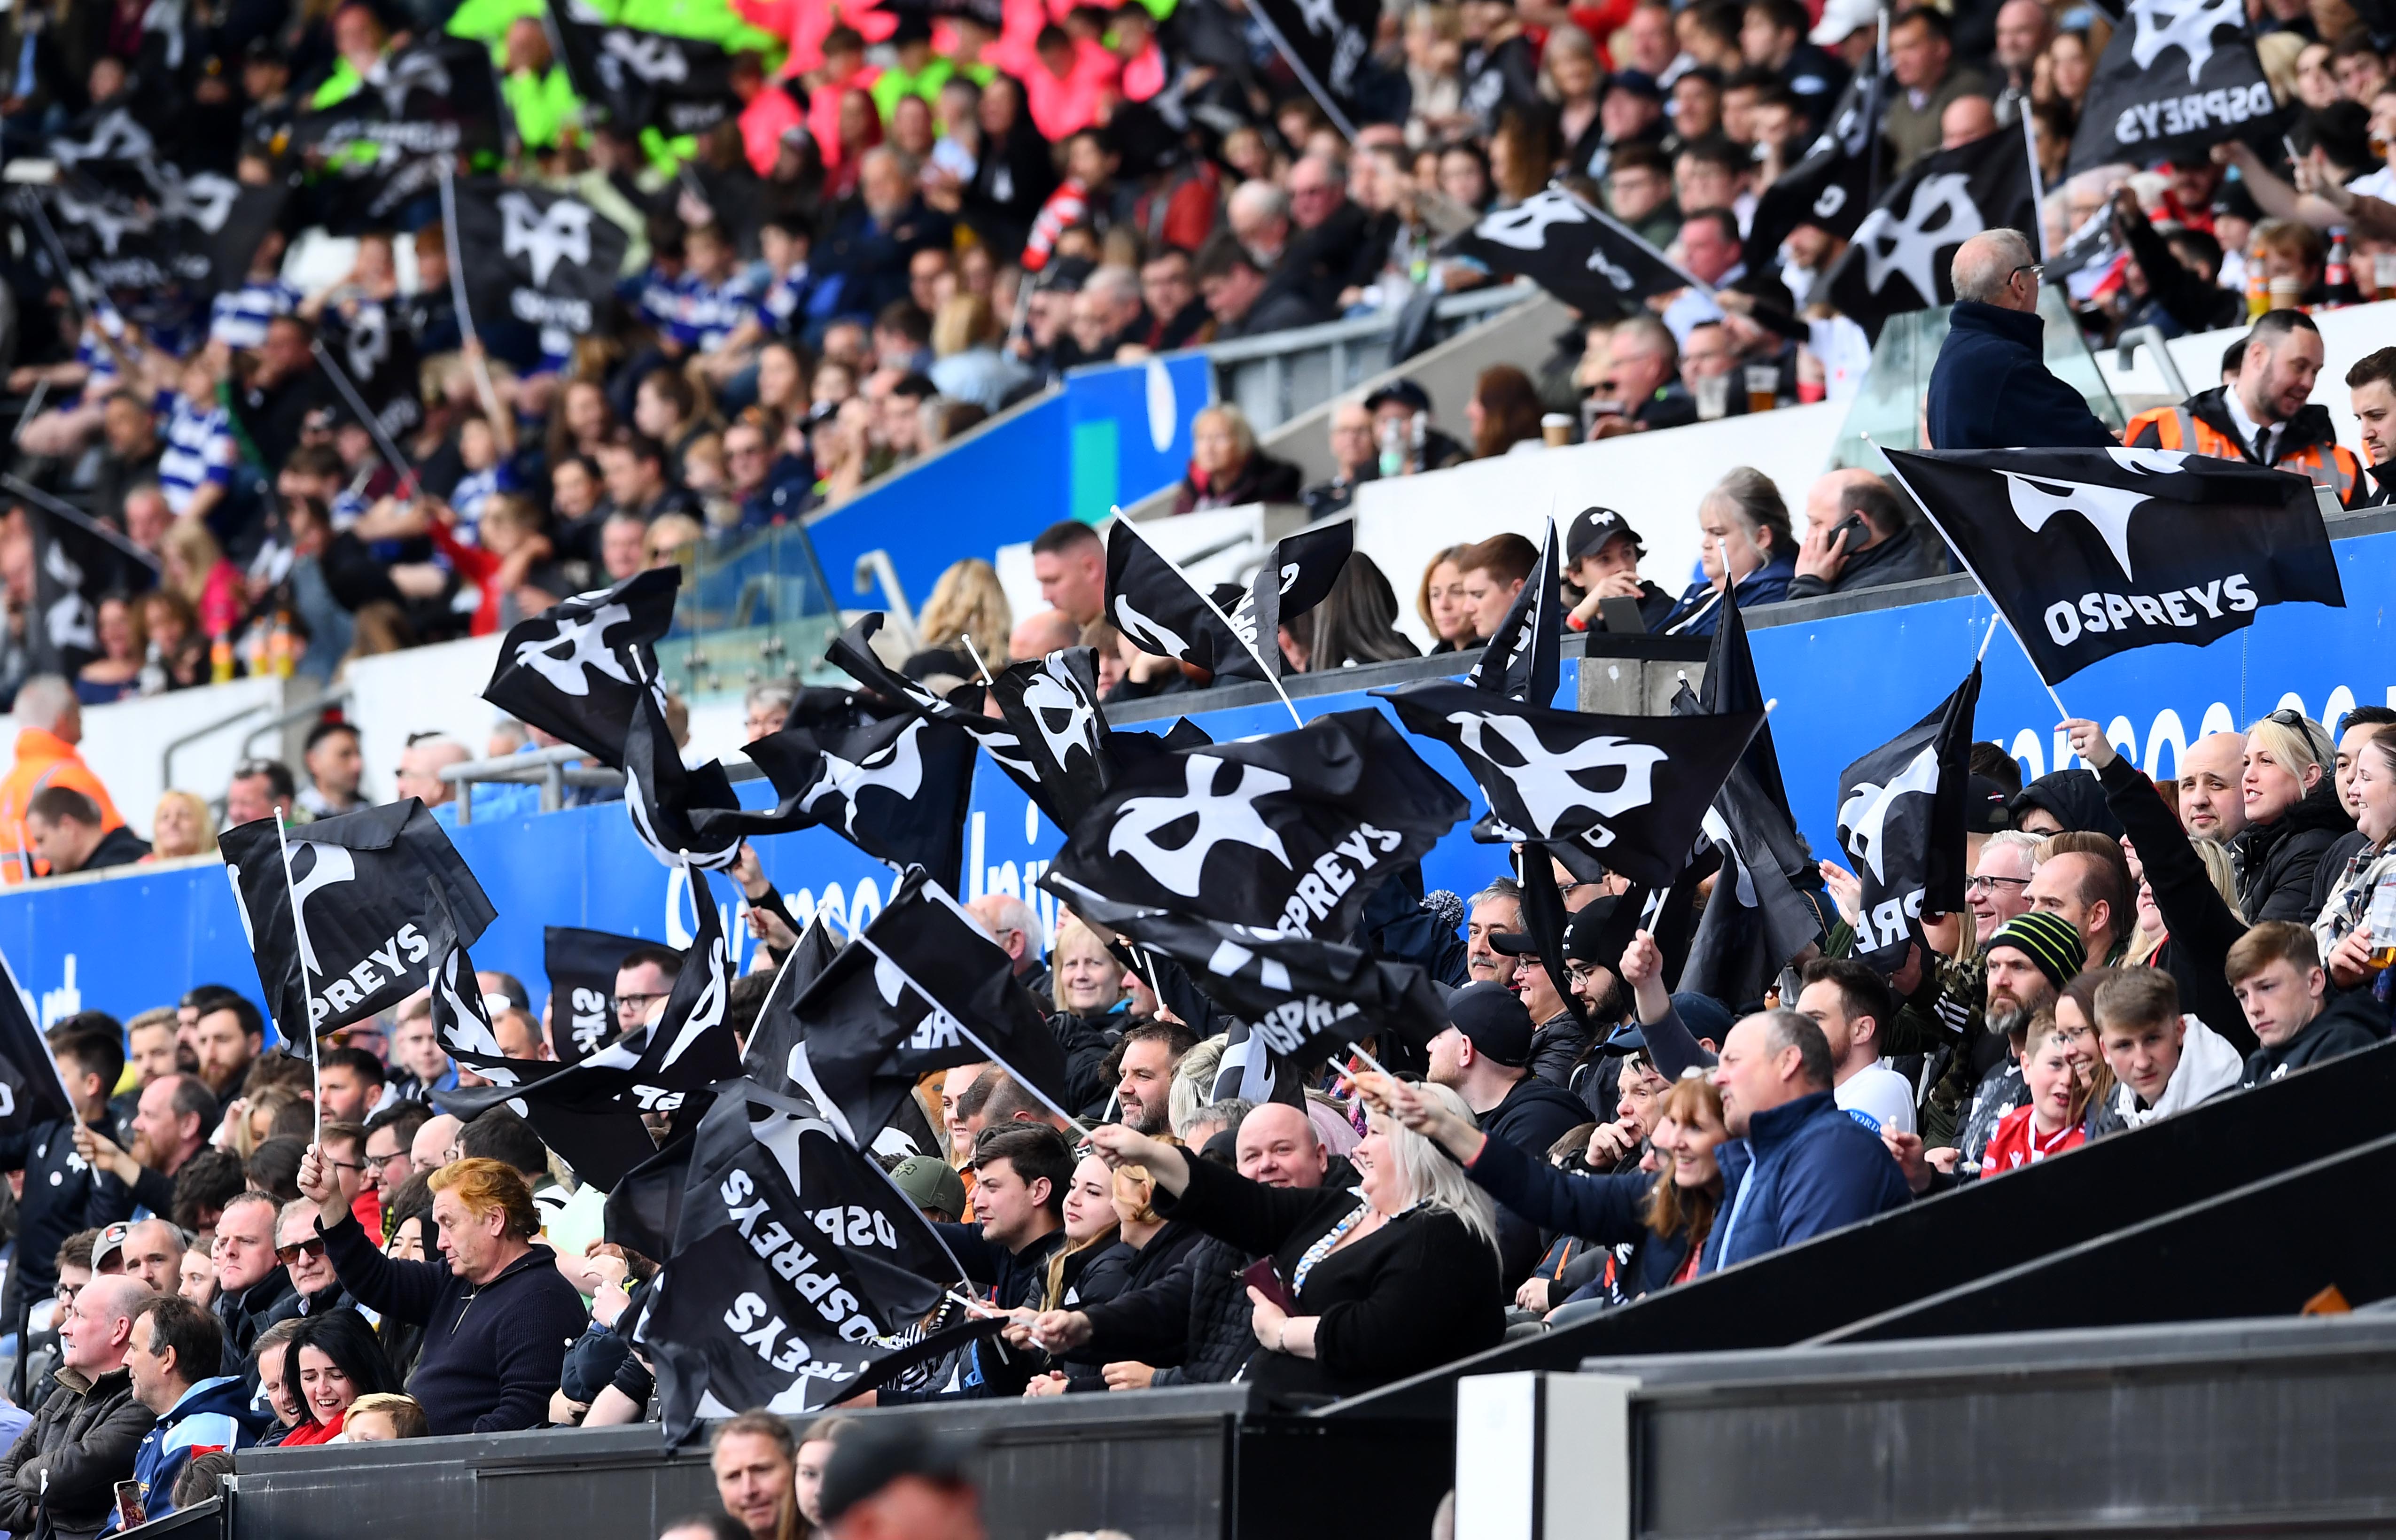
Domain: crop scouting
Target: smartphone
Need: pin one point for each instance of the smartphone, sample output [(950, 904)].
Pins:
[(1620, 617), (129, 1511), (1264, 1276), (1856, 531)]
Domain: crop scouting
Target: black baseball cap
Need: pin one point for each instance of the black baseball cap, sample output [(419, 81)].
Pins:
[(870, 1457), (1985, 809), (1404, 393), (1513, 943), (1497, 1024), (1639, 83), (1586, 928), (1591, 528)]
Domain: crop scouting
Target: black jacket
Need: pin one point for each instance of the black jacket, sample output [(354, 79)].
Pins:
[(2075, 797), (119, 846), (1908, 554), (245, 1314), (2180, 293), (58, 1189), (1261, 479), (1086, 1040), (2345, 1026), (1420, 1291), (1990, 388), (1557, 1046), (83, 1440), (491, 1352), (2277, 861), (2199, 927), (1116, 1271), (1535, 1113), (1013, 1279)]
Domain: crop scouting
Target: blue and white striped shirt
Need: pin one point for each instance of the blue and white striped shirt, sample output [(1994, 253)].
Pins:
[(239, 317), (199, 450)]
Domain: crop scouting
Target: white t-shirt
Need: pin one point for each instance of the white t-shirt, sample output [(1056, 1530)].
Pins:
[(1877, 1098)]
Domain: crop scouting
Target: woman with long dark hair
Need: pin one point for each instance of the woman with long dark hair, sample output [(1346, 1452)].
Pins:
[(1504, 411), (332, 1361), (1357, 622)]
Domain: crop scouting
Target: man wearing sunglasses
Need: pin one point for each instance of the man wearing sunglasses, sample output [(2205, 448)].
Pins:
[(302, 1252), (1990, 388)]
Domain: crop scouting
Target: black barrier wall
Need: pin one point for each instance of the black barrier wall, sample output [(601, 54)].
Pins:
[(1929, 1253)]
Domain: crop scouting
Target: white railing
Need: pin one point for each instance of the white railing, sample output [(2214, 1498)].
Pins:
[(1282, 374)]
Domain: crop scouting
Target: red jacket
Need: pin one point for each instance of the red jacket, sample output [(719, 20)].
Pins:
[(2017, 1143)]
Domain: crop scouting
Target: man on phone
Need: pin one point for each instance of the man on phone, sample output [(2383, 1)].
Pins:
[(1857, 536)]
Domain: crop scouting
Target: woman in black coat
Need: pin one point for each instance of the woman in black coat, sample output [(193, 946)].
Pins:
[(1370, 1292), (1123, 1244), (2292, 818)]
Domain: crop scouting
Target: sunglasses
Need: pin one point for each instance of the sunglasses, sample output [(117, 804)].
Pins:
[(313, 1246)]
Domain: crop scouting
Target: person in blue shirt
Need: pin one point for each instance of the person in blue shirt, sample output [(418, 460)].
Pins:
[(1746, 545), (203, 1415)]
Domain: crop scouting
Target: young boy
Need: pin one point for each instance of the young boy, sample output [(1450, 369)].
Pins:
[(382, 1416), (2045, 1127), (2161, 1060)]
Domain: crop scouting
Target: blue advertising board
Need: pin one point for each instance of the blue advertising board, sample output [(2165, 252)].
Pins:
[(1843, 685)]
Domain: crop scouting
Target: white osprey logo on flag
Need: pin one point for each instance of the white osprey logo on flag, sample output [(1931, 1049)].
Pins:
[(1055, 689), (73, 625), (1917, 238), (103, 216), (2189, 27), (1525, 226), (1863, 817), (406, 72), (587, 637), (1544, 780), (1151, 636), (545, 238), (1230, 816), (206, 199), (896, 767), (651, 58), (2107, 509), (334, 865), (1613, 273), (368, 344), (114, 137)]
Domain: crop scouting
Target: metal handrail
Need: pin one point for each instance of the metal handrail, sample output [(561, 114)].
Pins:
[(553, 770), (2126, 355), (1449, 306), (283, 717)]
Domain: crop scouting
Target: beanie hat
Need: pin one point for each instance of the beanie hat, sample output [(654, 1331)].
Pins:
[(2048, 940)]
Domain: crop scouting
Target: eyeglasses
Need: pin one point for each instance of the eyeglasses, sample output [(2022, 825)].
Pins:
[(636, 1001), (341, 1165), (382, 1162), (2037, 271), (1984, 885), (313, 1246)]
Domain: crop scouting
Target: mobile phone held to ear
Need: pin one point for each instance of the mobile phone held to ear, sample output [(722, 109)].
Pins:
[(1264, 1276)]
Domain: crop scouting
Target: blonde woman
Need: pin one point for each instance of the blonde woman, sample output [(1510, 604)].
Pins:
[(967, 603), (2293, 817), (1132, 1248), (1368, 1292), (181, 825), (1226, 470)]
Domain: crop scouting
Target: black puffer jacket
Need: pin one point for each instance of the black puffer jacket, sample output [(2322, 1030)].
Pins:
[(83, 1440), (2276, 861)]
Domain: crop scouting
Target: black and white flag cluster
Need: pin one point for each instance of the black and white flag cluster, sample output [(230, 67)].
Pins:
[(582, 965), (386, 145), (1052, 705), (1637, 788), (1903, 251), (1583, 256), (677, 85), (380, 898), (547, 260), (1901, 823), (896, 789), (2177, 75), (1297, 828), (1832, 188), (1151, 602), (575, 669), (143, 225), (32, 1089), (370, 344), (2094, 551)]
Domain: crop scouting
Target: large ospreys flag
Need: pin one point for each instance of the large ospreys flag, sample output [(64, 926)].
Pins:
[(2177, 75), (677, 85), (196, 233), (1294, 829), (1151, 602), (546, 260), (1294, 1001), (2094, 551), (1523, 660), (1832, 188), (1901, 823), (575, 669), (896, 789), (381, 897), (1640, 785), (78, 562), (799, 1274), (892, 692), (582, 965), (31, 1091), (1903, 251), (384, 146), (1052, 705), (1583, 256), (1327, 42)]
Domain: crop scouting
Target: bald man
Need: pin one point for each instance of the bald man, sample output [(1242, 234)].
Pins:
[(61, 1474), (1990, 388), (1965, 119), (1199, 1310), (1858, 536), (1038, 635)]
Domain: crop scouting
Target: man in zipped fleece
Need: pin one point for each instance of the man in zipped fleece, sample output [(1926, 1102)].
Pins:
[(497, 1315)]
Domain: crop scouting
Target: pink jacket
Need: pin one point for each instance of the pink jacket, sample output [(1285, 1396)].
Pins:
[(804, 24)]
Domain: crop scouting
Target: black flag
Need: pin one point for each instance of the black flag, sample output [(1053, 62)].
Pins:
[(1300, 998), (1151, 600), (767, 1059), (1903, 251), (1642, 784), (1327, 42), (372, 345), (677, 85), (1832, 188), (651, 1068), (575, 669), (2179, 75), (391, 899), (1583, 256), (684, 814), (546, 260), (2094, 551), (799, 1275), (582, 965), (32, 1089), (896, 789), (384, 146), (1730, 687), (1521, 660), (1052, 703), (1901, 823), (1297, 828), (1296, 575), (852, 653), (1754, 923), (78, 562)]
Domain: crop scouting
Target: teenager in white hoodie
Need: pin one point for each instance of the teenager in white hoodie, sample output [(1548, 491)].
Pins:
[(2161, 1060)]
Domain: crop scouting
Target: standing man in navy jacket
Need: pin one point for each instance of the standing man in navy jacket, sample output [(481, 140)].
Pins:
[(1990, 388), (1797, 1165)]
